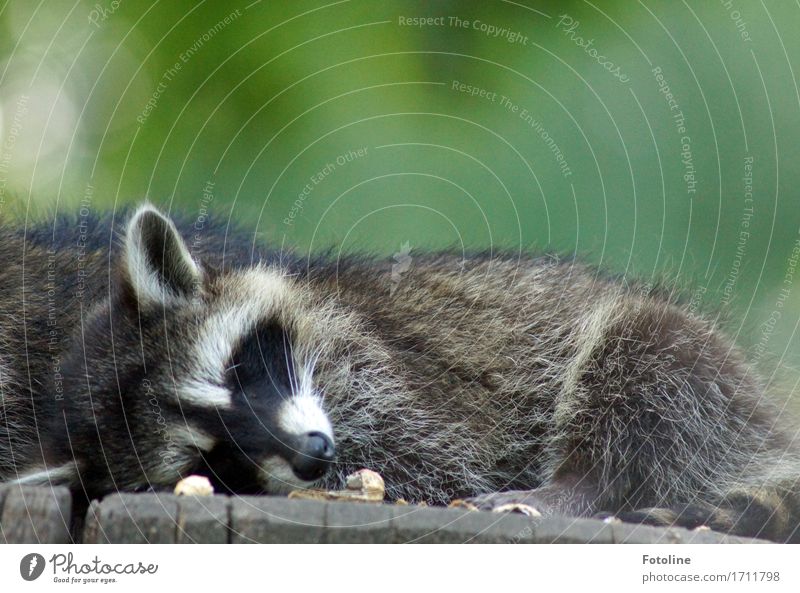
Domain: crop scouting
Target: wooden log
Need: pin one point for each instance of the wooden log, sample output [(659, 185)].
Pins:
[(32, 515), (273, 519), (204, 520), (132, 519), (42, 515), (358, 523)]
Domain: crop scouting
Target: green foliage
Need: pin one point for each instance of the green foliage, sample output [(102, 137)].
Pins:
[(518, 125)]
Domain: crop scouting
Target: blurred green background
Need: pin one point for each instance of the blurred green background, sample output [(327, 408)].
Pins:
[(357, 125)]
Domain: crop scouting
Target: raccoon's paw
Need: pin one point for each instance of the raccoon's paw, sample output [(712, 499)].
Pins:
[(519, 501)]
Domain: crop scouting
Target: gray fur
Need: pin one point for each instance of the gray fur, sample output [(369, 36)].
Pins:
[(533, 377)]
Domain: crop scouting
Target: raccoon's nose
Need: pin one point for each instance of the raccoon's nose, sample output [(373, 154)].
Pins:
[(314, 456)]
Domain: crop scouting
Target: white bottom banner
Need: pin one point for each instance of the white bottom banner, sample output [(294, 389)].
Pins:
[(368, 569)]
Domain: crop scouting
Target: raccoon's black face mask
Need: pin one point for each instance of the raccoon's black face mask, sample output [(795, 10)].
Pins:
[(191, 370)]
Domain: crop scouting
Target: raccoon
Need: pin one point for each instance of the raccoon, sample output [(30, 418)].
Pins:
[(135, 353)]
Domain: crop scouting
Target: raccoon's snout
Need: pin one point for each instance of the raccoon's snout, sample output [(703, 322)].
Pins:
[(314, 456)]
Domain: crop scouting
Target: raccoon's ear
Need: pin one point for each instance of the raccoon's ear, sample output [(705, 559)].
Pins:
[(160, 268)]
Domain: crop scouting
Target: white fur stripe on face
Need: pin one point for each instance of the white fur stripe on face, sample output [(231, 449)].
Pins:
[(254, 295), (250, 297), (303, 413), (203, 394)]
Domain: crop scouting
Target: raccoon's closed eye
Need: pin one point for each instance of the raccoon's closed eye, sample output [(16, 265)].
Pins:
[(263, 354)]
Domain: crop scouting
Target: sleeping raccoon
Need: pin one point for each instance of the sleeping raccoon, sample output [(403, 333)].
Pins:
[(129, 359)]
